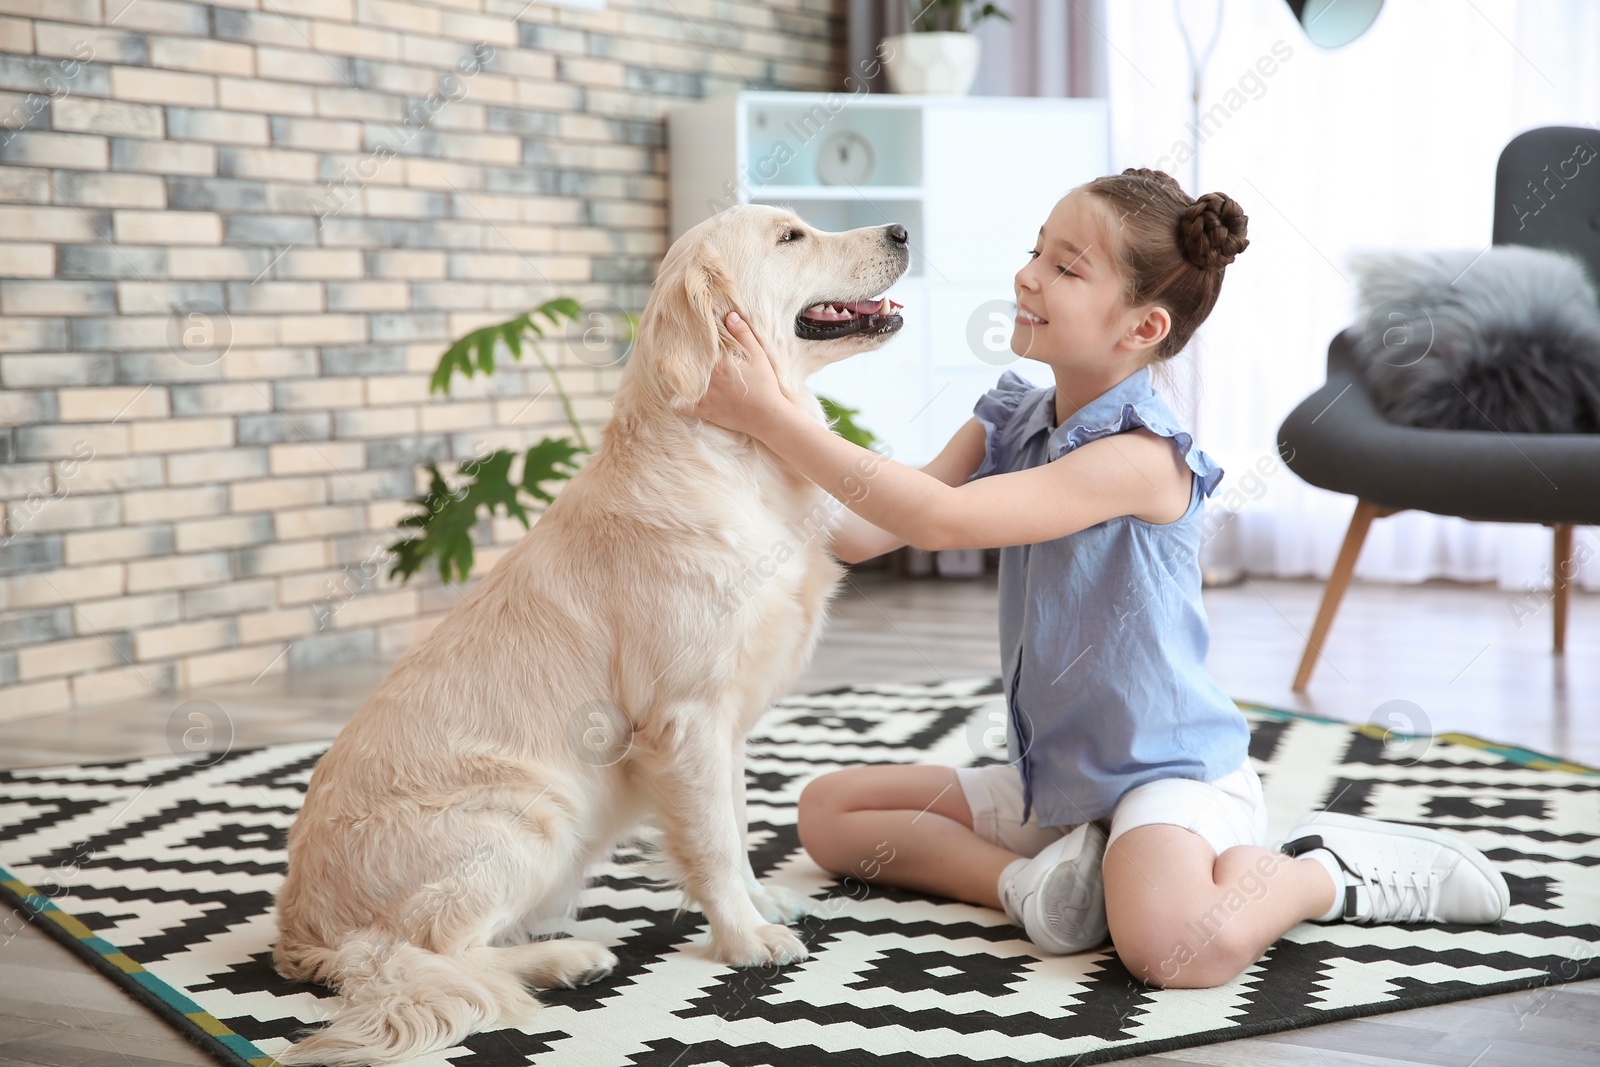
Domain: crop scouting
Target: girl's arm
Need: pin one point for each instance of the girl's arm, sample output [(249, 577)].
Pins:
[(856, 539), (1136, 473)]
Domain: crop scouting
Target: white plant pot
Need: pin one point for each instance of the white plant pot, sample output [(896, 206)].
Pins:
[(942, 63)]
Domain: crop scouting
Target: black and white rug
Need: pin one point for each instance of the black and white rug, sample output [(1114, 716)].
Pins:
[(161, 873)]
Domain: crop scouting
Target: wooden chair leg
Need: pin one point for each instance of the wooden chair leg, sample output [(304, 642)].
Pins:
[(1562, 572), (1338, 581)]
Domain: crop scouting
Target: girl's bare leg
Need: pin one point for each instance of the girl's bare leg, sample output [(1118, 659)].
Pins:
[(899, 825), (1185, 918)]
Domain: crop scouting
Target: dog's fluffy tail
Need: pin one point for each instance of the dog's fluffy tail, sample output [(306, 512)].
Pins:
[(401, 1001)]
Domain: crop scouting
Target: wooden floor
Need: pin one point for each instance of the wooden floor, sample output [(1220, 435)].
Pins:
[(1454, 657)]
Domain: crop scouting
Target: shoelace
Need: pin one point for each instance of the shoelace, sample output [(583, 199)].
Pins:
[(1396, 896)]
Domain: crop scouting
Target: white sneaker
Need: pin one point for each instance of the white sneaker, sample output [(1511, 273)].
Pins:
[(1058, 897), (1398, 873)]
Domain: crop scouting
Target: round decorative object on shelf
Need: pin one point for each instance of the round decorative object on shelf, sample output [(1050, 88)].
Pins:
[(845, 157)]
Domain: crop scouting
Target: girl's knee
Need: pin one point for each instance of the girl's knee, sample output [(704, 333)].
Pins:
[(824, 793), (1187, 934), (815, 820), (835, 792), (826, 800), (1183, 956)]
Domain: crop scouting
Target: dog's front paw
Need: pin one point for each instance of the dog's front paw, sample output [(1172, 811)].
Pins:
[(779, 904), (765, 946)]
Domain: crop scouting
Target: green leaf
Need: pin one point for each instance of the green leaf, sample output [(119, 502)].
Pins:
[(559, 308), (927, 15), (485, 345), (548, 461), (411, 553), (454, 359), (474, 353), (460, 555), (448, 516), (842, 420)]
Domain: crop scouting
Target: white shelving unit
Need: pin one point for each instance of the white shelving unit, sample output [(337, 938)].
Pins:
[(971, 178)]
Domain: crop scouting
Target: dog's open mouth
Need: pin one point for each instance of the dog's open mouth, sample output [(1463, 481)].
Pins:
[(841, 318)]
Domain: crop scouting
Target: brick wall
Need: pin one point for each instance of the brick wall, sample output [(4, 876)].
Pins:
[(234, 239)]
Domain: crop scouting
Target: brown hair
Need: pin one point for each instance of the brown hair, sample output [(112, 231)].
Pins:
[(1172, 249)]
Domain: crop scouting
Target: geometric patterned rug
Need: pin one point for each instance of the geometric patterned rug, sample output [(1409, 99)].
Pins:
[(161, 872)]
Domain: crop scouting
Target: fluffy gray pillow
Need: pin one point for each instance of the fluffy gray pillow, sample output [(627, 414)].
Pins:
[(1507, 339)]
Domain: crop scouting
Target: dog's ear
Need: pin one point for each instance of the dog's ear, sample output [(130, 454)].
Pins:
[(683, 334)]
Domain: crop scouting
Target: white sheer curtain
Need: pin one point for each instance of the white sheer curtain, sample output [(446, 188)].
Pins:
[(1389, 142)]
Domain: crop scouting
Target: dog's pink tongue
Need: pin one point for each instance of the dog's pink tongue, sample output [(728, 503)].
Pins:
[(866, 307)]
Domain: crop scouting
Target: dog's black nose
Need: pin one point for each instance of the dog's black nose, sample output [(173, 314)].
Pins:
[(895, 232)]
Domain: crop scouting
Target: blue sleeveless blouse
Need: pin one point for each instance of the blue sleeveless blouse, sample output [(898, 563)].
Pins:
[(1103, 635)]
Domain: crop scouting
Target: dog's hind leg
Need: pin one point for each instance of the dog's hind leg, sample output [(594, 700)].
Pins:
[(690, 776), (546, 962), (561, 961), (465, 914), (426, 981), (427, 973)]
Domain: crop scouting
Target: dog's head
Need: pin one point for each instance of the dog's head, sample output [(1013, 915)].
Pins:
[(813, 297)]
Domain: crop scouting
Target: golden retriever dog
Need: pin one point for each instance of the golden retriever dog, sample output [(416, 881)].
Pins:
[(603, 674)]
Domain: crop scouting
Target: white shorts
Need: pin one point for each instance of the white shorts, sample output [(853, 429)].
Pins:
[(1226, 812)]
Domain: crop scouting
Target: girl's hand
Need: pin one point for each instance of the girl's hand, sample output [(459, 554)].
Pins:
[(744, 395)]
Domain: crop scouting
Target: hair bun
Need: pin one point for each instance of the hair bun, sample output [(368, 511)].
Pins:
[(1212, 231)]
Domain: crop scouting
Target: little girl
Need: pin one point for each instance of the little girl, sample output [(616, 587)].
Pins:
[(1128, 804)]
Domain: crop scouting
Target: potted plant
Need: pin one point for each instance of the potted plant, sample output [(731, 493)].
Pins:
[(938, 57)]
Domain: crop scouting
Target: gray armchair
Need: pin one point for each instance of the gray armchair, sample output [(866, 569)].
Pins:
[(1337, 439)]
